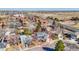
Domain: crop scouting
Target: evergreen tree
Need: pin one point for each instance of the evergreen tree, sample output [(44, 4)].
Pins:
[(59, 46)]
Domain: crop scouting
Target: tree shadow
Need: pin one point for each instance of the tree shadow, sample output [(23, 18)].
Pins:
[(48, 49)]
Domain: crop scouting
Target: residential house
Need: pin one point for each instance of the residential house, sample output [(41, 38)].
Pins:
[(25, 40), (44, 23), (41, 36)]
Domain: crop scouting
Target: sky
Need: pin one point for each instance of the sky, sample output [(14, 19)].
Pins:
[(41, 9)]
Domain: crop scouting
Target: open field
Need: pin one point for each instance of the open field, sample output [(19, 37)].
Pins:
[(60, 15)]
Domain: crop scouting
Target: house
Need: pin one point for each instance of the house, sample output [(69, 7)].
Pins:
[(60, 36), (77, 34), (41, 36), (25, 40), (18, 15), (44, 23), (60, 33)]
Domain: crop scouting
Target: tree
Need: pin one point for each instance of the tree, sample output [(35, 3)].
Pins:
[(1, 19), (76, 19), (24, 31), (38, 26), (56, 19), (27, 32), (59, 46), (50, 17)]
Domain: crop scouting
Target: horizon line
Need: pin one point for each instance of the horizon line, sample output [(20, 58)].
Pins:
[(39, 9)]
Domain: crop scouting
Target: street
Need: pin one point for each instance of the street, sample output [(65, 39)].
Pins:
[(50, 47)]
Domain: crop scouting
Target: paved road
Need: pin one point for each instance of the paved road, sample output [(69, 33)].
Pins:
[(46, 47), (50, 47)]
